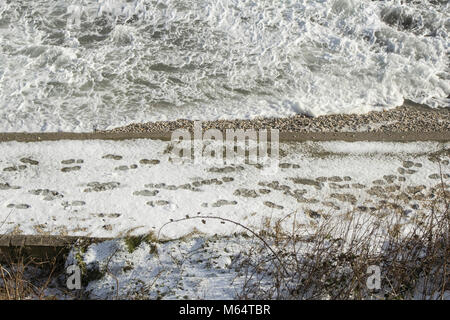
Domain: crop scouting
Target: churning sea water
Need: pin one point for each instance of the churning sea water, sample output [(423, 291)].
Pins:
[(86, 64)]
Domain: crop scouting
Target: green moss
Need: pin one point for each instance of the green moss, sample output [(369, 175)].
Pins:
[(133, 242), (92, 273)]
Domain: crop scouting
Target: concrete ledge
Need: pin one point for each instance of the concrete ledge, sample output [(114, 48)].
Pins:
[(284, 136), (42, 248), (10, 241)]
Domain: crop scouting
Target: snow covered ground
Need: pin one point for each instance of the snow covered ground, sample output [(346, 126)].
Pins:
[(108, 189), (115, 188)]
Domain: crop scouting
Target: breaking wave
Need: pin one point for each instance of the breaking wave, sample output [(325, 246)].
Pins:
[(84, 65)]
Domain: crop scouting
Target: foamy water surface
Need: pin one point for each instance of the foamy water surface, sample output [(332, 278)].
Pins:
[(84, 65)]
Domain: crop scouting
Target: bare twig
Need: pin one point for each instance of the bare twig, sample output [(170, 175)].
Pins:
[(233, 222)]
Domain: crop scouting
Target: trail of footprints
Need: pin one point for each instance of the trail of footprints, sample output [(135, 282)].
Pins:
[(68, 166), (339, 188), (20, 167), (74, 165)]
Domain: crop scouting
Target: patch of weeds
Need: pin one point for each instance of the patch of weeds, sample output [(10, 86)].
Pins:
[(133, 242), (88, 273)]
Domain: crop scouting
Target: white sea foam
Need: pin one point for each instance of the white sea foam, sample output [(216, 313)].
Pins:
[(88, 64)]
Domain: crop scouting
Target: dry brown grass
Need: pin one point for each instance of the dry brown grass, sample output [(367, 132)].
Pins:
[(332, 262), (280, 260), (23, 276)]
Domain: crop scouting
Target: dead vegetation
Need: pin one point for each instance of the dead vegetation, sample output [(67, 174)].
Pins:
[(282, 259), (335, 260), (335, 264), (24, 276)]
